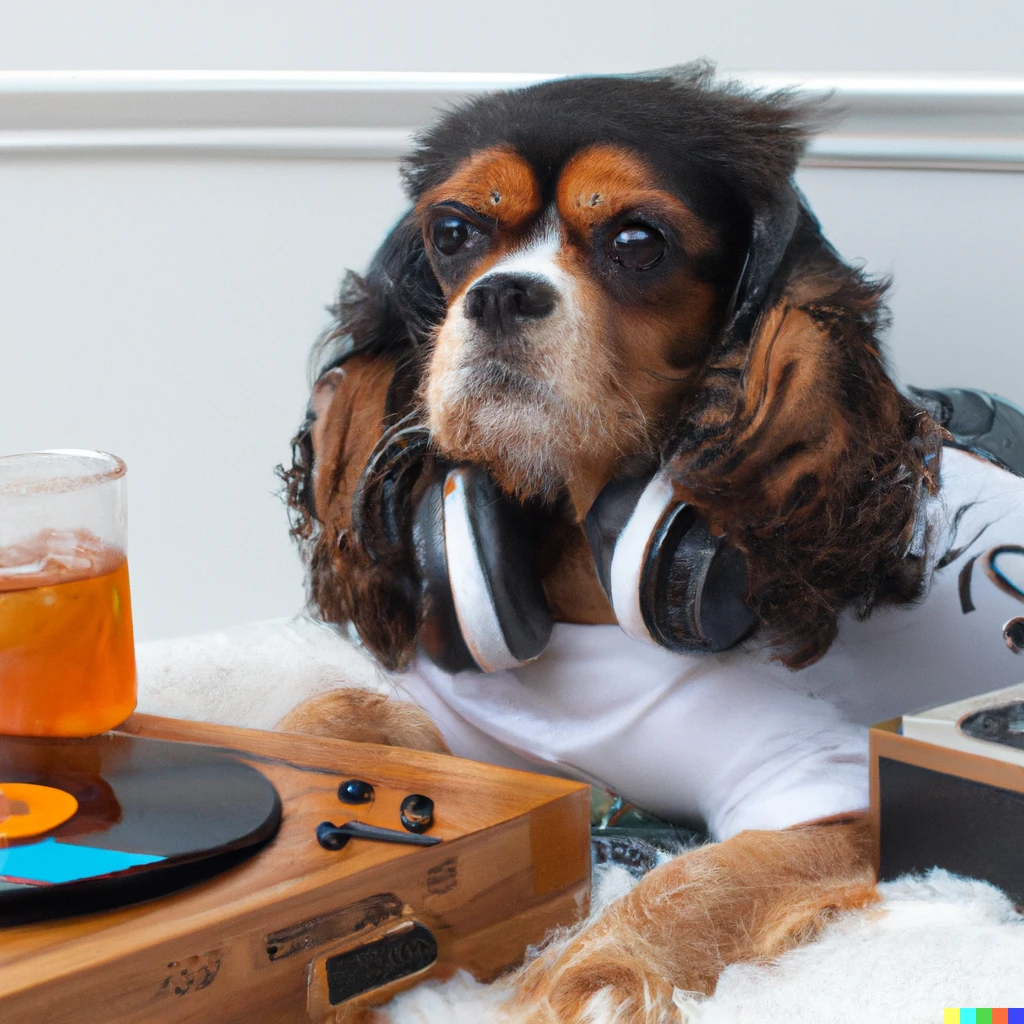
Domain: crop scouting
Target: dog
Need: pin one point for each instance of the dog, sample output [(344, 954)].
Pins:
[(608, 305)]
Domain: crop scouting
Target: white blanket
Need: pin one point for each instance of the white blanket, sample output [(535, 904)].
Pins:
[(936, 942)]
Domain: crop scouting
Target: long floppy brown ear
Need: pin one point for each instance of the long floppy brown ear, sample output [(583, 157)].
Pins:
[(356, 573), (804, 454), (366, 370), (373, 587)]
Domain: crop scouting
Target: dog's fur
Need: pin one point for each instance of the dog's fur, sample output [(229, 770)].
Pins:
[(777, 418), (688, 920)]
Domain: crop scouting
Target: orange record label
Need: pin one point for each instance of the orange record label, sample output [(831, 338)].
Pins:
[(30, 810)]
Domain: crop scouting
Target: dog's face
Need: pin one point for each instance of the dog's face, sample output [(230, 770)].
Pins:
[(580, 302)]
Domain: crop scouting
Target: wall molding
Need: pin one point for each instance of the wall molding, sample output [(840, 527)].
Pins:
[(879, 120)]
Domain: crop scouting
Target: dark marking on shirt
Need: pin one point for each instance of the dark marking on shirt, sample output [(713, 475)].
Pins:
[(995, 574), (966, 604), (954, 553)]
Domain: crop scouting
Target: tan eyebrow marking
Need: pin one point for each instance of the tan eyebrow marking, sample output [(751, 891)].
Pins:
[(602, 181), (497, 183)]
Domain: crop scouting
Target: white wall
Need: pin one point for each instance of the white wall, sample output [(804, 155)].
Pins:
[(525, 35), (161, 306), (163, 310), (954, 245)]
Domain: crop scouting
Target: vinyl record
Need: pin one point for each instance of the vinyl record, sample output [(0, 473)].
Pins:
[(96, 823)]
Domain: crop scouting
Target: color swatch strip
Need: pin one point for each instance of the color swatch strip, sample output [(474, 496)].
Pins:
[(983, 1015)]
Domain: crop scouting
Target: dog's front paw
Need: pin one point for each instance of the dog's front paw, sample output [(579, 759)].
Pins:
[(750, 898), (595, 977), (365, 717)]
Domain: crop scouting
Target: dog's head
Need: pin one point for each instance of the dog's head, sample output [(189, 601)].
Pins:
[(598, 275), (587, 240)]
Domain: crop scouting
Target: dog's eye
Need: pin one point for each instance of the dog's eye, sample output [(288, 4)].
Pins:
[(638, 247), (449, 235)]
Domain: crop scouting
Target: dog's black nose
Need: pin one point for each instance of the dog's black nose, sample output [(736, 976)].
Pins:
[(500, 302)]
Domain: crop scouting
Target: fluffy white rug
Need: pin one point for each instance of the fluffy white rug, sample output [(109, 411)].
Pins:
[(250, 675), (936, 941)]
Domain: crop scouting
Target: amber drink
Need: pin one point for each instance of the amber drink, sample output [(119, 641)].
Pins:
[(67, 655)]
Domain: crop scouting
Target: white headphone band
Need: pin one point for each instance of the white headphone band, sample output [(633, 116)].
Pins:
[(471, 591), (632, 550)]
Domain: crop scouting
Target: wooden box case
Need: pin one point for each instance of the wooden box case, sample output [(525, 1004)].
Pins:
[(302, 934), (933, 806)]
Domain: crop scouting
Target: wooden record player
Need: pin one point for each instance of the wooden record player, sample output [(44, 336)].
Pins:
[(302, 934)]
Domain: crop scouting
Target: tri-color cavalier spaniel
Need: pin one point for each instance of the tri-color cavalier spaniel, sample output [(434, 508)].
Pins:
[(614, 279)]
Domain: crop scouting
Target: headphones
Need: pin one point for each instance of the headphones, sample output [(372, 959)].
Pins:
[(670, 582)]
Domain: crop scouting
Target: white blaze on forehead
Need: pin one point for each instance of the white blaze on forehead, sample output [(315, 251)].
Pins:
[(537, 258)]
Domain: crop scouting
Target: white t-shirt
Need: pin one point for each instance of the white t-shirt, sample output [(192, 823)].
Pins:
[(735, 738)]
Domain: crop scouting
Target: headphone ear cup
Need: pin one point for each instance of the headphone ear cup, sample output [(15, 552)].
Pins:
[(669, 580), (490, 605), (439, 636), (694, 587)]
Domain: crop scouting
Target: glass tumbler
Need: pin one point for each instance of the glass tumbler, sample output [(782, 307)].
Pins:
[(67, 653)]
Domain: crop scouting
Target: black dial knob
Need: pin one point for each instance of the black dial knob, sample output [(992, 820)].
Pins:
[(355, 791), (417, 812)]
